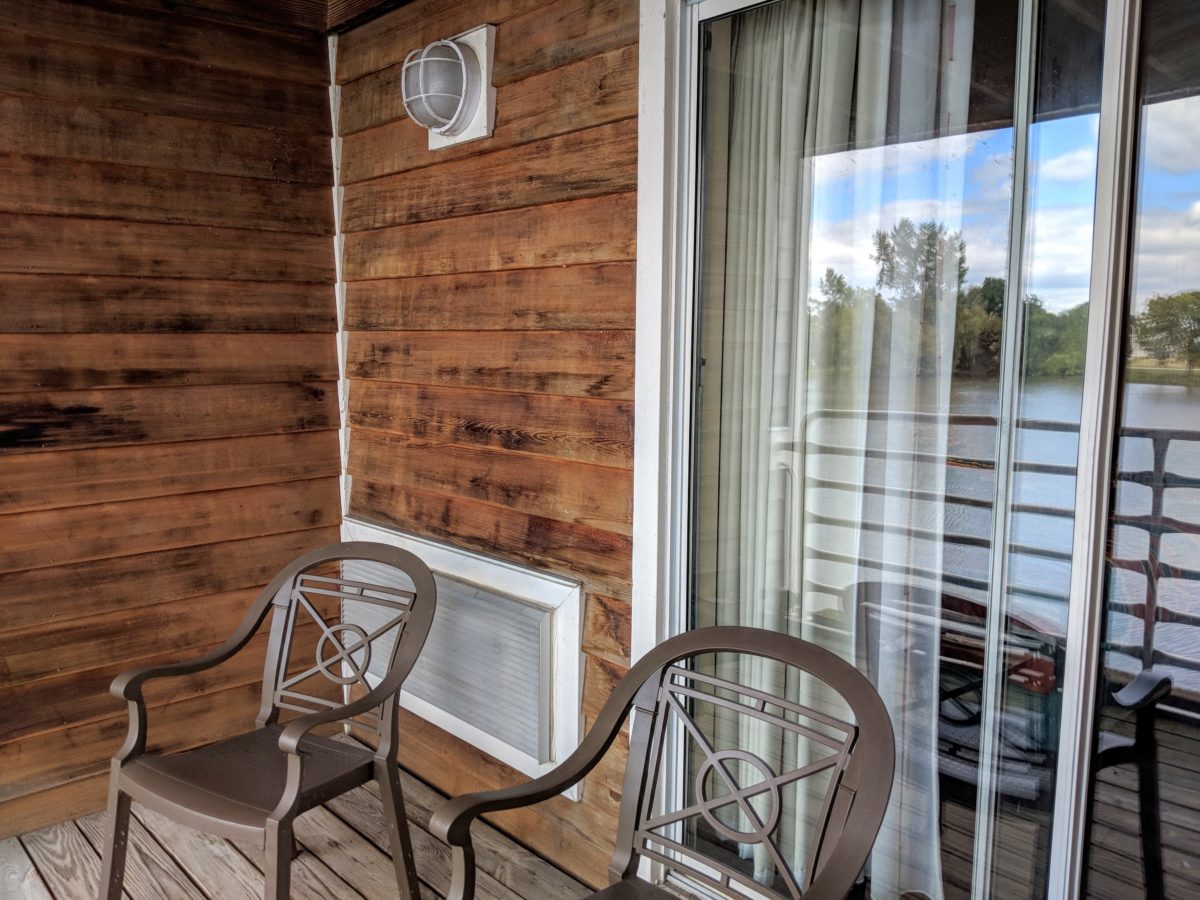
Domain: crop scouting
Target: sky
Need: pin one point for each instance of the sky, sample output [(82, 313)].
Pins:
[(965, 181)]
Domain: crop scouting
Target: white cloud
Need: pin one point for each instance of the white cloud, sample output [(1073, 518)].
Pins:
[(1172, 134), (1074, 165)]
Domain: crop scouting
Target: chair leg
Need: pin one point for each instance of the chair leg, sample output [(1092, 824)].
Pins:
[(277, 860), (116, 841), (388, 776), (1151, 828)]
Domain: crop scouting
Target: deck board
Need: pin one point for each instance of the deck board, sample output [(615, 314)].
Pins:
[(344, 854), (18, 875)]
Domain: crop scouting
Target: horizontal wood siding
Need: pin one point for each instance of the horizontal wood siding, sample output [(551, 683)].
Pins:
[(168, 399), (490, 311)]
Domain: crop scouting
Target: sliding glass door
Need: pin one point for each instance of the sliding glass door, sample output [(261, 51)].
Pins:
[(892, 207)]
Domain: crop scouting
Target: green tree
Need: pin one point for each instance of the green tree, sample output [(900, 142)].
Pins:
[(1169, 327)]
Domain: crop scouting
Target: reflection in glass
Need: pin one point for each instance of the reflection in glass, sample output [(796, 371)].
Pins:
[(1145, 810)]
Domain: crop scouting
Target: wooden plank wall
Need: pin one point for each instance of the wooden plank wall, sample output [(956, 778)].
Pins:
[(167, 368), (490, 316)]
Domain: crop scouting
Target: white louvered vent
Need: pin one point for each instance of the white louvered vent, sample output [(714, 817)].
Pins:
[(502, 665), (487, 660)]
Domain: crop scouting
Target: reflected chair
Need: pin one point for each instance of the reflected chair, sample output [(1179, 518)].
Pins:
[(732, 792), (1140, 696), (251, 787)]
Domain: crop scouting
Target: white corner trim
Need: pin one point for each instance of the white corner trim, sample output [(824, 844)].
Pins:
[(339, 288), (564, 598), (657, 301)]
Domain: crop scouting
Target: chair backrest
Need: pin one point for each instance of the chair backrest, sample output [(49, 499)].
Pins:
[(316, 651), (815, 749)]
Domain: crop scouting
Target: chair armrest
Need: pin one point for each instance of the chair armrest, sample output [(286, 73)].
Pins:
[(1147, 688), (128, 685), (294, 731)]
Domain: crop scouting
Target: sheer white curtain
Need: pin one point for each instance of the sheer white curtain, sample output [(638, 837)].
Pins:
[(865, 90)]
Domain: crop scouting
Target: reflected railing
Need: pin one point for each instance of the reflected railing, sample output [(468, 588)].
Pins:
[(1149, 610)]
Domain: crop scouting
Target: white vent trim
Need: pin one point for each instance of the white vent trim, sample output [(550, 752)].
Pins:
[(562, 597)]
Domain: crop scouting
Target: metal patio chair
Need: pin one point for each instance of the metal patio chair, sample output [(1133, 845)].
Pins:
[(251, 787), (734, 797)]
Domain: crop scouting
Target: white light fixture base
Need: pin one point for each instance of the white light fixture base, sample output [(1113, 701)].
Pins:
[(482, 40)]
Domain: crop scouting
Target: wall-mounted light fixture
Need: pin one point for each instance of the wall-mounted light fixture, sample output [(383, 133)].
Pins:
[(447, 87)]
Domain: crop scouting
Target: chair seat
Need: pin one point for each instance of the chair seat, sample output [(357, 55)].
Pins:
[(633, 889), (230, 787)]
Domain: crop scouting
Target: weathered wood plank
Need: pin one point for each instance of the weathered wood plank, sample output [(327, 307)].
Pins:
[(599, 297), (577, 836), (546, 171), (606, 629), (560, 33), (386, 40), (150, 872), (60, 246), (47, 595), (75, 697), (596, 496), (109, 474), (73, 362), (83, 642), (39, 127), (599, 557), (567, 363), (18, 876), (365, 812), (585, 94), (90, 304), (132, 416), (44, 538), (303, 16), (40, 185), (596, 431), (58, 804), (209, 861), (68, 864), (365, 865), (497, 855), (557, 234), (174, 34), (312, 879), (107, 77), (34, 764)]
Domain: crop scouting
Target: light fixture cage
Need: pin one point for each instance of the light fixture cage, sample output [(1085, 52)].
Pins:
[(440, 86)]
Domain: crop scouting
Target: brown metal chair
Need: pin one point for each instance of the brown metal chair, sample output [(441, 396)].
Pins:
[(251, 787), (722, 810)]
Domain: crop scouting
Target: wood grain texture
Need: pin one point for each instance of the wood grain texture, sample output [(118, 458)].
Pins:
[(568, 363), (606, 628), (562, 32), (599, 557), (71, 362), (592, 92), (386, 40), (57, 804), (90, 304), (58, 537), (40, 127), (44, 761), (171, 33), (211, 862), (66, 861), (18, 874), (118, 585), (596, 431), (149, 869), (558, 234), (58, 245), (587, 297), (42, 185), (105, 77), (39, 421), (104, 475), (595, 496), (544, 171), (305, 16)]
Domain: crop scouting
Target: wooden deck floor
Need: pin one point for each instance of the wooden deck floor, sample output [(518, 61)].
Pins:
[(344, 854)]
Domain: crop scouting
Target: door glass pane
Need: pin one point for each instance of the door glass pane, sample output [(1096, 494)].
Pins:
[(854, 204), (1145, 823)]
